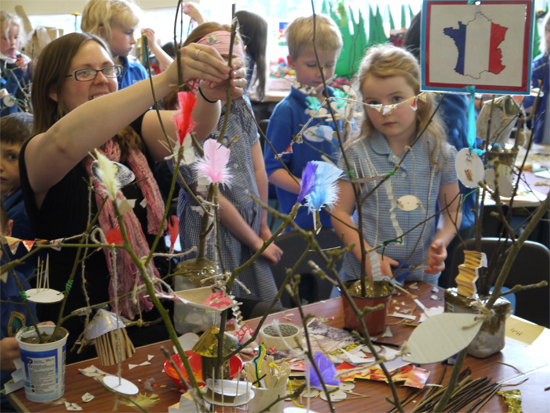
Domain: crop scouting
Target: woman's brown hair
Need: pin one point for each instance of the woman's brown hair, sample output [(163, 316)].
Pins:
[(53, 66)]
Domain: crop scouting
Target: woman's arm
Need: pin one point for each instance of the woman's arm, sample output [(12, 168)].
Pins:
[(343, 210), (51, 155), (447, 230), (285, 180)]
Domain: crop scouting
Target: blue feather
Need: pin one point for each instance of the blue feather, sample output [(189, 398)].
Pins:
[(308, 177), (325, 186)]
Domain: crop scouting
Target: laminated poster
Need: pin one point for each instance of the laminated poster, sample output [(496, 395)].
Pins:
[(486, 44)]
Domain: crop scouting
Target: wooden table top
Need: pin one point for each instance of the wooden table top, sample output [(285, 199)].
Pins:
[(532, 361)]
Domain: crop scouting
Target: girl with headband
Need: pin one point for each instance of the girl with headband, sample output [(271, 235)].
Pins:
[(244, 225)]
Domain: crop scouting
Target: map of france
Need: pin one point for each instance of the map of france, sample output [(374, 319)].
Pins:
[(478, 43)]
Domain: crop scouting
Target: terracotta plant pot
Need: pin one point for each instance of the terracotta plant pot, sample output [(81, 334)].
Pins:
[(375, 320)]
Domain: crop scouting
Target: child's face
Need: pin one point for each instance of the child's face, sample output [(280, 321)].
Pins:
[(307, 70), (9, 168), (400, 123), (122, 40), (9, 44)]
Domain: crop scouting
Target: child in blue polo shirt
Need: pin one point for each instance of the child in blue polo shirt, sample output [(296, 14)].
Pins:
[(295, 110), (13, 316), (115, 21)]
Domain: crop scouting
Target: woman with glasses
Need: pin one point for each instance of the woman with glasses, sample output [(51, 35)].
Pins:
[(76, 111)]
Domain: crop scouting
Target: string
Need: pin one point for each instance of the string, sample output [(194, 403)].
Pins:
[(471, 116)]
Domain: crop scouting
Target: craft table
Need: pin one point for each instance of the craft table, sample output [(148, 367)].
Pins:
[(532, 362)]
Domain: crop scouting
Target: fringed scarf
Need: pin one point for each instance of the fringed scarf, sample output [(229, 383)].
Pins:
[(126, 269)]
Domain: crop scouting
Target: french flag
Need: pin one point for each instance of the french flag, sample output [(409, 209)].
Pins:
[(478, 44)]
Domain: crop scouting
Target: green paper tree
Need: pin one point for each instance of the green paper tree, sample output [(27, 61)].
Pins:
[(536, 40), (403, 17), (392, 24)]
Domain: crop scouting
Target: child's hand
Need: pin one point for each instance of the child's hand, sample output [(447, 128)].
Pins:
[(386, 265), (272, 254), (22, 62), (151, 40), (436, 257), (10, 352), (194, 12)]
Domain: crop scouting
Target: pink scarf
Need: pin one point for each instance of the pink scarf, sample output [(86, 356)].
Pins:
[(126, 269)]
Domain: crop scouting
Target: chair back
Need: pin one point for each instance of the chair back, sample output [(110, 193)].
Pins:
[(532, 265), (312, 287)]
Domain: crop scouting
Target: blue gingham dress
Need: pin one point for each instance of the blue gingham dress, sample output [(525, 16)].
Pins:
[(257, 277), (372, 157)]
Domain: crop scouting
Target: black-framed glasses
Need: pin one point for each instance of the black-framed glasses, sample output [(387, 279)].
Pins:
[(87, 75)]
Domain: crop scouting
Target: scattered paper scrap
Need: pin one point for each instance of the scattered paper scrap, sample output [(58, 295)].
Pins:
[(93, 371), (87, 397), (143, 400), (185, 405), (145, 363), (387, 333), (72, 407), (336, 396), (408, 317), (435, 289), (435, 297)]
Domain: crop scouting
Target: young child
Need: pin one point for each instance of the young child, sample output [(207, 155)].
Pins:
[(15, 129), (389, 76), (116, 21), (253, 28), (540, 72), (13, 64), (294, 111), (244, 226), (14, 316)]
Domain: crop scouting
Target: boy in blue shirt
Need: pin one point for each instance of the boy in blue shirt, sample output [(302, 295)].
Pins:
[(15, 129), (14, 316), (295, 110), (115, 22)]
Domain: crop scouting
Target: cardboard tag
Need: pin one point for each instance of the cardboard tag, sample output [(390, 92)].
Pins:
[(440, 337), (469, 168)]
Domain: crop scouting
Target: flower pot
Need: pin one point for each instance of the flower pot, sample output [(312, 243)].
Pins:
[(375, 320), (44, 364), (490, 339), (263, 397)]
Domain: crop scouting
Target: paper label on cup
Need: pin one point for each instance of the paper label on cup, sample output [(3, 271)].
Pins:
[(42, 382)]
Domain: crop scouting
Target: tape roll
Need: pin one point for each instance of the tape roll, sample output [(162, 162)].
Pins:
[(289, 332)]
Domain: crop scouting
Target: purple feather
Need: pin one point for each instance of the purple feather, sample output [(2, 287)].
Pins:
[(308, 178), (327, 370)]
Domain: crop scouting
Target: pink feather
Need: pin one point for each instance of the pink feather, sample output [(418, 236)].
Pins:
[(214, 164)]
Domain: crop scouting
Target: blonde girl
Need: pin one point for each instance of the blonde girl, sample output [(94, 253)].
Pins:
[(116, 22), (395, 112), (13, 64)]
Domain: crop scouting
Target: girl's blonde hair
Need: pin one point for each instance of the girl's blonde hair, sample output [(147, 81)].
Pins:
[(543, 46), (385, 61), (10, 19), (99, 14)]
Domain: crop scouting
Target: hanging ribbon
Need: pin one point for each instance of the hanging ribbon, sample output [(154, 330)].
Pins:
[(471, 118)]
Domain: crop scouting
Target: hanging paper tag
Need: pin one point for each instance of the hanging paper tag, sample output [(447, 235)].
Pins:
[(504, 185), (375, 266), (441, 336), (469, 168), (408, 203), (125, 205)]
